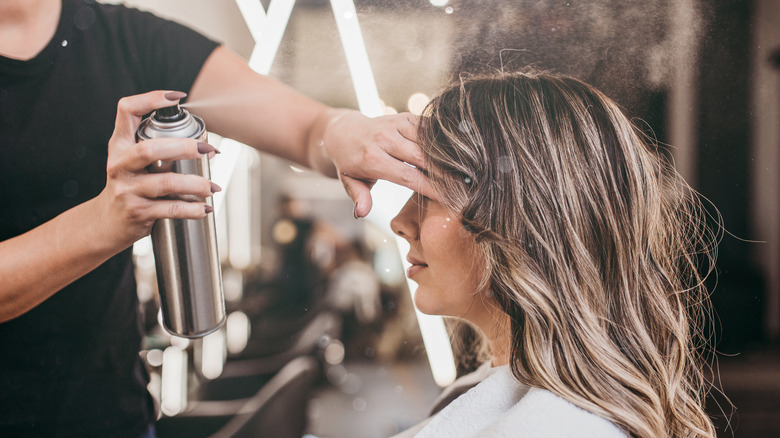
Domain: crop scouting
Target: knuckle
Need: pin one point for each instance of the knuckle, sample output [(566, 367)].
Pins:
[(137, 214), (123, 105), (372, 158), (168, 182), (112, 169), (408, 174), (175, 209), (145, 151), (121, 191), (349, 187), (382, 137)]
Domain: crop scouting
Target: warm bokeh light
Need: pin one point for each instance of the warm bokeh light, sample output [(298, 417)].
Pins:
[(417, 102), (284, 231), (334, 352)]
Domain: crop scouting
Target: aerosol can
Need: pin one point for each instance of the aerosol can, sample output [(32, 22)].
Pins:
[(189, 276)]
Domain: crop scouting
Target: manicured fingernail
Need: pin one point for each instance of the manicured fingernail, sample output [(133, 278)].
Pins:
[(205, 148), (209, 209), (215, 188), (175, 95), (354, 212)]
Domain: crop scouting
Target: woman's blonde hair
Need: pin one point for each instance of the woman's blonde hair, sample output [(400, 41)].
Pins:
[(595, 247)]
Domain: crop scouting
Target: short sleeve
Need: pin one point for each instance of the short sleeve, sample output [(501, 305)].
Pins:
[(169, 55)]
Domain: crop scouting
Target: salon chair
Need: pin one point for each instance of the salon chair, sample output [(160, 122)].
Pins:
[(277, 409), (275, 333), (243, 375)]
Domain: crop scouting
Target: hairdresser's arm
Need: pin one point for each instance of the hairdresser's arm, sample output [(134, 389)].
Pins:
[(274, 118), (37, 264)]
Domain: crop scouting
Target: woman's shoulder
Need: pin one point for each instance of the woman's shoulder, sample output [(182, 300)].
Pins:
[(540, 413), (499, 406)]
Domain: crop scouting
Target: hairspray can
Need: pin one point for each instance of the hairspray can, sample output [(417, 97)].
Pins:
[(189, 276)]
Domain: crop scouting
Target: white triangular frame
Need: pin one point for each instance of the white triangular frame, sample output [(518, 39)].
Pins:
[(267, 30)]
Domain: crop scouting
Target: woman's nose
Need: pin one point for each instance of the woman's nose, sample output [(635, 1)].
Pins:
[(404, 223)]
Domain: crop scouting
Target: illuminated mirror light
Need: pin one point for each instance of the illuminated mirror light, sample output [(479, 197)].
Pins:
[(145, 271), (222, 167), (143, 247), (357, 57), (178, 342), (173, 391), (233, 284), (154, 358), (154, 385), (432, 329), (267, 31), (213, 354), (439, 3), (239, 217), (435, 338), (237, 329)]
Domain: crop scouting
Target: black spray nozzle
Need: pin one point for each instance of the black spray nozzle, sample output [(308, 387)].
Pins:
[(170, 114)]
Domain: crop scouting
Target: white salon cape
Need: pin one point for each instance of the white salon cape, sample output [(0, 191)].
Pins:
[(499, 406)]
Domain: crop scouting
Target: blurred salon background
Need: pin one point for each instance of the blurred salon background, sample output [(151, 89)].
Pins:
[(322, 338)]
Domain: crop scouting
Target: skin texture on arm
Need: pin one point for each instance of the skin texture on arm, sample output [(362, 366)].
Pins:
[(257, 110), (40, 262)]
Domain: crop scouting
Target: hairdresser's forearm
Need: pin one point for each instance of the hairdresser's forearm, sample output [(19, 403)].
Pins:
[(260, 111), (39, 263), (274, 118)]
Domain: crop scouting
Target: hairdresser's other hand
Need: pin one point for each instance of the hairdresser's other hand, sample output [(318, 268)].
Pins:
[(365, 150), (133, 198)]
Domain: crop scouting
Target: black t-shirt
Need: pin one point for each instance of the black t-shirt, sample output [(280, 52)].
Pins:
[(70, 367)]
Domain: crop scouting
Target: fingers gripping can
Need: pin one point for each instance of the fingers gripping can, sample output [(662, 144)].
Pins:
[(189, 276)]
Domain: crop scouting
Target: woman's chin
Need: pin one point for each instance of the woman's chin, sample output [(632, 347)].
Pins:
[(427, 304)]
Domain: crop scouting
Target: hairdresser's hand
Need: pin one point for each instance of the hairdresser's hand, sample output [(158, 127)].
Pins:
[(42, 261), (365, 150), (133, 198)]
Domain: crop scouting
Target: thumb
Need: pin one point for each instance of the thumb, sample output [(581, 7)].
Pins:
[(130, 109), (360, 192)]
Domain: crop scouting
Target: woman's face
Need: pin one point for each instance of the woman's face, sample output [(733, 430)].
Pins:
[(445, 261)]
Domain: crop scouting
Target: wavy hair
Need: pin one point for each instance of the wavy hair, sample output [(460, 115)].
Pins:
[(595, 247)]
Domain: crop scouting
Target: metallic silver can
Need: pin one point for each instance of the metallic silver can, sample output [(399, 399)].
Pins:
[(189, 275)]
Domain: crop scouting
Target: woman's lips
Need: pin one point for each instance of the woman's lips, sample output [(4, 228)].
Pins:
[(416, 267), (411, 270)]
